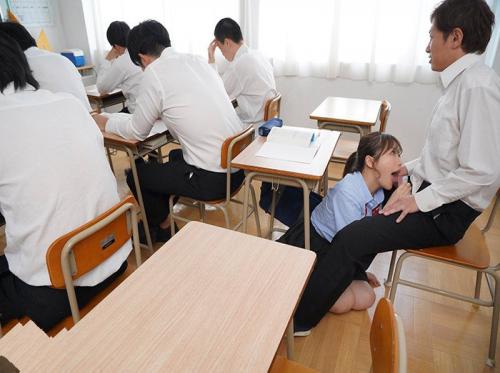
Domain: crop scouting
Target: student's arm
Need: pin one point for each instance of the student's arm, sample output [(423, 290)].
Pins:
[(74, 84), (147, 112), (110, 76), (478, 151), (346, 209)]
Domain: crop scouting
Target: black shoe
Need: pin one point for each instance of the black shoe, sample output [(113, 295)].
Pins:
[(142, 234), (163, 235)]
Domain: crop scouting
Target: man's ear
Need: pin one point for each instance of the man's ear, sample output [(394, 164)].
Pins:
[(456, 37)]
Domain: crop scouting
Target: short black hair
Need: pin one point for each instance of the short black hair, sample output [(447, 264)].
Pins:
[(228, 28), (473, 17), (19, 33), (14, 66), (117, 33), (148, 37)]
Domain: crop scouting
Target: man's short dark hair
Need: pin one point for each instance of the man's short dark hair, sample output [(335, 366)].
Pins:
[(117, 33), (14, 67), (19, 34), (148, 37), (473, 17), (228, 28)]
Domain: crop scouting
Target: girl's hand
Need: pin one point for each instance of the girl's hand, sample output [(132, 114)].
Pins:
[(372, 280)]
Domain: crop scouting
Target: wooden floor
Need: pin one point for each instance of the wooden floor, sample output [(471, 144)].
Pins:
[(442, 335)]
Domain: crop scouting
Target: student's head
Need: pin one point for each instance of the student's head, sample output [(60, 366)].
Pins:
[(378, 153), (228, 37), (458, 27), (14, 67), (117, 35), (146, 41), (19, 34)]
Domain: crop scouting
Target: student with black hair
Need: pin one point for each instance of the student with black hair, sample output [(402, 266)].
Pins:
[(52, 71), (118, 70), (188, 96), (249, 77), (453, 180), (68, 183)]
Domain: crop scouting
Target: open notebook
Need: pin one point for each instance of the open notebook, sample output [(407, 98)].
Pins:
[(291, 144)]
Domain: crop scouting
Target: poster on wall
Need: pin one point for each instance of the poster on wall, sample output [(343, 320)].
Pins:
[(30, 13)]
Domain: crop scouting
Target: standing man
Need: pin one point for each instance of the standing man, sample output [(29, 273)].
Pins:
[(455, 177), (188, 96), (249, 77)]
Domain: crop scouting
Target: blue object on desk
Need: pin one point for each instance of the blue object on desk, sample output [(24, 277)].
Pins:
[(75, 55), (265, 128)]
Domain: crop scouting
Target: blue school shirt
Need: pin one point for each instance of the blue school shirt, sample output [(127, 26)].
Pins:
[(347, 201)]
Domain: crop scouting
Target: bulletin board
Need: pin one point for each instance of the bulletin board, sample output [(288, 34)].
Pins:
[(29, 12)]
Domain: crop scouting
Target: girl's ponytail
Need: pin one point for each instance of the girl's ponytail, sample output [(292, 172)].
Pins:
[(351, 165)]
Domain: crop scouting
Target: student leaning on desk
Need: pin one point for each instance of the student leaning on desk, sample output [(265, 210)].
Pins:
[(188, 96), (66, 184), (51, 70)]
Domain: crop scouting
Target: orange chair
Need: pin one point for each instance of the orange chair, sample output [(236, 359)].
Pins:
[(231, 147), (272, 108), (471, 252), (387, 340)]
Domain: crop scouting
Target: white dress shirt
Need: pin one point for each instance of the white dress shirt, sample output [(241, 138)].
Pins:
[(56, 73), (188, 96), (249, 79), (67, 183), (120, 73), (460, 157)]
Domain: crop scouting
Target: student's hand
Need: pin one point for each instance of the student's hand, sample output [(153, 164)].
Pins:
[(211, 51), (406, 204), (402, 190), (372, 280), (101, 121)]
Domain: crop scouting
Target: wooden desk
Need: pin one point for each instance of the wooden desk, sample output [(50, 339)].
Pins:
[(347, 114), (100, 101), (278, 171), (201, 303), (134, 150)]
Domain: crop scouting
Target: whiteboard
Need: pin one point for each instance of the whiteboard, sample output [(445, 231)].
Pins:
[(33, 12)]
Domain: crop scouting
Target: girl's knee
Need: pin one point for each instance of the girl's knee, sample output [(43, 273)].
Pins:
[(345, 303), (363, 293)]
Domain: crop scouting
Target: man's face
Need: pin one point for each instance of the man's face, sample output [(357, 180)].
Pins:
[(225, 49), (439, 49)]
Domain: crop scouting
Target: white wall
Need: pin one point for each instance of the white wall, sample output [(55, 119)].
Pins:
[(55, 33), (412, 104)]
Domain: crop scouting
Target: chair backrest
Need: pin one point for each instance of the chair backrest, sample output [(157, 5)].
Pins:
[(493, 212), (384, 339), (272, 108), (87, 246), (385, 110)]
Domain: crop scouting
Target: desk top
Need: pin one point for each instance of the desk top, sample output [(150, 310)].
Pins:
[(352, 111), (199, 303), (247, 159), (92, 92)]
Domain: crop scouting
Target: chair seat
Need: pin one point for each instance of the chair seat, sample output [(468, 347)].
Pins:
[(217, 201), (345, 147), (471, 250)]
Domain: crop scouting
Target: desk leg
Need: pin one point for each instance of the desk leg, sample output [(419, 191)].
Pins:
[(139, 197), (307, 213), (273, 210), (108, 152), (289, 340), (248, 180)]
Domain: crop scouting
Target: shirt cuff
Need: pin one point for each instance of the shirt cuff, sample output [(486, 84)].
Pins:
[(427, 200), (410, 166)]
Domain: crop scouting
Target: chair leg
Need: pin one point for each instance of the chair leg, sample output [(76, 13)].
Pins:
[(226, 216), (494, 322), (395, 277), (202, 211), (388, 280), (256, 210), (271, 218), (477, 291), (171, 213)]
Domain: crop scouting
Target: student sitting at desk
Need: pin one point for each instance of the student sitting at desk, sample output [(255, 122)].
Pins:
[(47, 195), (118, 70), (52, 71), (188, 96), (249, 77)]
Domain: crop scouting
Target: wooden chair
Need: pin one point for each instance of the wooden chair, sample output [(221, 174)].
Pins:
[(345, 147), (282, 365), (471, 252), (78, 252), (272, 108), (387, 340), (231, 147)]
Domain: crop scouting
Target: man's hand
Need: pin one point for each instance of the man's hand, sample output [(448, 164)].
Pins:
[(401, 191), (405, 204), (211, 51), (101, 121)]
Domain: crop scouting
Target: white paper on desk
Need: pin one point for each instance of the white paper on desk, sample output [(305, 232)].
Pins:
[(286, 152)]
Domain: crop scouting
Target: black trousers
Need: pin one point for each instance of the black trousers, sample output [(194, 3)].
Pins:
[(44, 305), (159, 181), (356, 245)]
